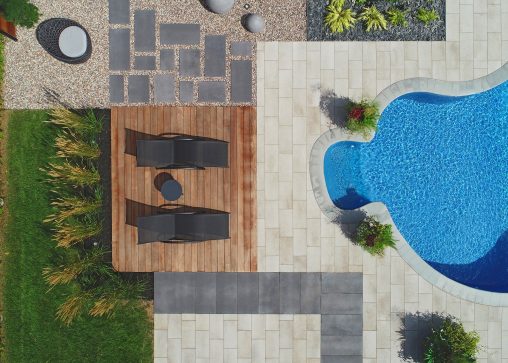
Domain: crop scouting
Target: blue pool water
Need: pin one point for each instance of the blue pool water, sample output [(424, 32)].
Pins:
[(440, 165)]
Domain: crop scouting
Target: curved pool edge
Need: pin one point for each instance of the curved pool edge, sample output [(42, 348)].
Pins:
[(379, 210)]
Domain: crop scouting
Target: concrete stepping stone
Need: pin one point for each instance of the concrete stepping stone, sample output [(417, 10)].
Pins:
[(190, 64), (186, 91), (269, 293), (165, 88), (119, 49), (241, 81), (144, 30), (167, 59), (139, 89), (116, 89), (212, 91), (241, 49), (183, 34), (144, 62), (215, 56), (119, 11)]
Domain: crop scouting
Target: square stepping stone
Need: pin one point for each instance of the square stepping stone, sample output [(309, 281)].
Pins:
[(119, 11), (139, 89), (241, 81), (215, 56), (187, 34), (212, 91), (165, 88), (144, 62), (167, 58), (144, 30), (186, 91), (190, 65), (116, 90), (119, 49), (241, 49)]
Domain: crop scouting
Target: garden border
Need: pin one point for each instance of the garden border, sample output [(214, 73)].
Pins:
[(378, 209)]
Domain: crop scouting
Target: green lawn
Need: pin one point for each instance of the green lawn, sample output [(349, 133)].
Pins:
[(32, 333)]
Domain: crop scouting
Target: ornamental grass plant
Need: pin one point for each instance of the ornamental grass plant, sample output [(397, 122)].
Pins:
[(337, 18), (373, 19)]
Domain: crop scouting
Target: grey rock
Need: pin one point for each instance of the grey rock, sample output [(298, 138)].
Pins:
[(254, 23), (219, 6)]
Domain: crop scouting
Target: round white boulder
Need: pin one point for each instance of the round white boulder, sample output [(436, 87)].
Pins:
[(219, 6), (255, 23)]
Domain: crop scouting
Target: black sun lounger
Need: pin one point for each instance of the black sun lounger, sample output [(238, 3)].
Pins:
[(183, 227), (182, 153)]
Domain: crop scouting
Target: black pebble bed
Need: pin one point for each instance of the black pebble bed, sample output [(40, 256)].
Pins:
[(415, 31)]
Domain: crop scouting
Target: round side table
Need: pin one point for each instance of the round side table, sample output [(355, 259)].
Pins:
[(171, 190)]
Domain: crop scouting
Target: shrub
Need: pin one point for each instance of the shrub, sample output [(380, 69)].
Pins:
[(337, 18), (373, 18), (427, 16), (20, 12), (374, 237), (451, 343), (397, 17), (362, 117)]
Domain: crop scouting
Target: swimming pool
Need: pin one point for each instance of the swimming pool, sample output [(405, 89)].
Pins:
[(440, 165)]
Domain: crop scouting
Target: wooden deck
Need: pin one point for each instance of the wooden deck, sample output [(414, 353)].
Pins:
[(233, 189)]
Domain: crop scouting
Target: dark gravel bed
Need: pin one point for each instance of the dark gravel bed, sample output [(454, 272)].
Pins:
[(416, 30)]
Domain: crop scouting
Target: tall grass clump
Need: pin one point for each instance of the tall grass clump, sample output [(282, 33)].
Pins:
[(75, 206), (70, 146), (74, 230), (88, 125), (67, 173)]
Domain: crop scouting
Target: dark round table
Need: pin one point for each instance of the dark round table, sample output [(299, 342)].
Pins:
[(171, 189)]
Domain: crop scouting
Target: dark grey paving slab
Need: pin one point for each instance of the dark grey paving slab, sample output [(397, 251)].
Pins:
[(144, 62), (144, 30), (119, 49), (190, 65), (186, 91), (139, 89), (241, 81), (341, 345), (212, 91), (215, 56), (290, 293), (119, 11), (174, 293), (116, 89), (347, 283), (185, 34), (342, 325), (310, 293), (227, 290), (341, 359), (269, 293), (241, 49), (164, 90), (248, 293), (341, 303), (206, 288), (167, 59)]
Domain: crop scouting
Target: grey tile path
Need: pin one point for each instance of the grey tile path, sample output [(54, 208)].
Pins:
[(186, 91), (215, 56), (190, 65), (119, 11), (212, 91), (181, 34), (241, 81), (338, 297), (116, 88), (144, 30), (241, 49), (144, 62), (164, 88), (119, 49), (167, 59), (139, 89)]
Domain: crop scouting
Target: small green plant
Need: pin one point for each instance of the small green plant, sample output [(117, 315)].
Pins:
[(451, 343), (426, 16), (374, 237), (20, 12), (373, 18), (362, 117), (397, 17), (337, 18)]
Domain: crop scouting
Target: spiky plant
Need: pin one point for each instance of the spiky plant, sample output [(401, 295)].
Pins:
[(73, 174), (73, 306), (397, 17), (65, 273), (427, 16), (69, 146), (121, 293), (75, 206), (88, 124), (337, 18), (75, 230), (373, 18)]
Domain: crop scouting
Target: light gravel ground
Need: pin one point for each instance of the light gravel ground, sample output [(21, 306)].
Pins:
[(30, 70)]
